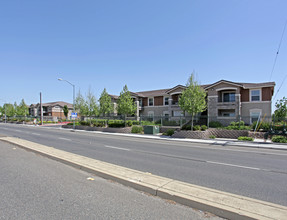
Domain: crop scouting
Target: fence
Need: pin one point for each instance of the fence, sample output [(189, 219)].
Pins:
[(179, 121), (170, 121)]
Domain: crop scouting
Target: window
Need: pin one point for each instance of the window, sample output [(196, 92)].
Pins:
[(254, 115), (255, 95), (226, 113), (166, 100), (228, 97), (150, 102), (140, 102), (177, 113), (150, 115)]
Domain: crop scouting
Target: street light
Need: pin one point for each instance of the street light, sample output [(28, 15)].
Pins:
[(60, 79), (5, 108)]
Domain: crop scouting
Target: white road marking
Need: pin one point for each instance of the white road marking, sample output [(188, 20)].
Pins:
[(118, 148), (233, 165), (66, 139), (35, 133)]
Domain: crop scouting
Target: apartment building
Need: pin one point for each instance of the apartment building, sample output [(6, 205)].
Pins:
[(52, 109), (226, 101)]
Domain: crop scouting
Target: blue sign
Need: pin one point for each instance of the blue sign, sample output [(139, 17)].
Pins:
[(74, 114)]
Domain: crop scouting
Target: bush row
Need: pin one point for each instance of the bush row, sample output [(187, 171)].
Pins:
[(195, 127), (279, 139)]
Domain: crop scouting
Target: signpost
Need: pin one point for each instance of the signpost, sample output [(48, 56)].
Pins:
[(74, 115)]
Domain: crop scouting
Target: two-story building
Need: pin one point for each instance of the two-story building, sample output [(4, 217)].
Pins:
[(51, 109), (226, 101)]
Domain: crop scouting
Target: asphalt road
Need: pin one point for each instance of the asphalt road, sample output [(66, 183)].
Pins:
[(256, 173), (35, 187)]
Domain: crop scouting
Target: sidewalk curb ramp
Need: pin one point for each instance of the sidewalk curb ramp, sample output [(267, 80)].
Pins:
[(220, 203)]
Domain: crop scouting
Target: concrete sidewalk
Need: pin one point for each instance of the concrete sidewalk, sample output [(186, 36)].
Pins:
[(220, 203), (257, 143)]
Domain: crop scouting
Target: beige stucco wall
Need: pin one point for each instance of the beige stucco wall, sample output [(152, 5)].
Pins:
[(158, 110), (265, 108), (212, 91)]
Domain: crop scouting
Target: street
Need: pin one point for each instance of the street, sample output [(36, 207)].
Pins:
[(35, 187), (255, 173)]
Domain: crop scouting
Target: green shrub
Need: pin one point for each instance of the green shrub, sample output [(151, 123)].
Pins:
[(85, 123), (72, 123), (265, 126), (237, 126), (203, 127), (279, 139), (186, 127), (116, 123), (196, 128), (244, 138), (212, 136), (99, 122), (215, 124), (169, 132), (137, 129)]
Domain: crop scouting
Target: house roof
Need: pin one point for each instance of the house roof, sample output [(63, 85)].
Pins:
[(256, 85), (151, 93), (59, 103), (163, 92), (244, 85)]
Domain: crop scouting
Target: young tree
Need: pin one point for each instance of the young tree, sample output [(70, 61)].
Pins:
[(16, 109), (281, 109), (80, 104), (66, 111), (22, 109), (10, 111), (126, 105), (192, 99), (105, 101), (91, 104)]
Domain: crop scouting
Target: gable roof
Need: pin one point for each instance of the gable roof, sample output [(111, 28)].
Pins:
[(258, 85), (243, 85), (164, 92), (52, 104), (151, 93), (223, 81)]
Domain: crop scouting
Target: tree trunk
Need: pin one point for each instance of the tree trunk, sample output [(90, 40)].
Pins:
[(192, 122)]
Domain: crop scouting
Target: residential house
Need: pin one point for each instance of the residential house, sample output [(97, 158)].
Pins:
[(226, 101)]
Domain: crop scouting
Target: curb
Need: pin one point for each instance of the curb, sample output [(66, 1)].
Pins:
[(220, 203), (259, 145)]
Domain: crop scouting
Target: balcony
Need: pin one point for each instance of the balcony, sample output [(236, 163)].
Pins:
[(174, 103)]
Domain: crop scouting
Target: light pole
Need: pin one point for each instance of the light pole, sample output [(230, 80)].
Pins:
[(60, 79), (5, 108)]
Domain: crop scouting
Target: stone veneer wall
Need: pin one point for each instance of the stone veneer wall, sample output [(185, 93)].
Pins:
[(219, 133), (112, 130)]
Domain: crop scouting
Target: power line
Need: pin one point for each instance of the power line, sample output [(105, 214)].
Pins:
[(275, 60), (280, 87)]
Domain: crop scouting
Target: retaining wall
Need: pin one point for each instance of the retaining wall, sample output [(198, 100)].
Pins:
[(112, 130)]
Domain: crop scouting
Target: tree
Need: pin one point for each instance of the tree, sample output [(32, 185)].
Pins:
[(105, 101), (192, 99), (281, 108), (22, 109), (16, 109), (66, 111), (91, 104), (80, 104), (126, 105), (10, 111)]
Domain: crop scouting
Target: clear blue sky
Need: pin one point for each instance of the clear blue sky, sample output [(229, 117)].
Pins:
[(144, 44)]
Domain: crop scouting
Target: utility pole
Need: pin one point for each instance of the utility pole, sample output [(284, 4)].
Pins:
[(41, 108)]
